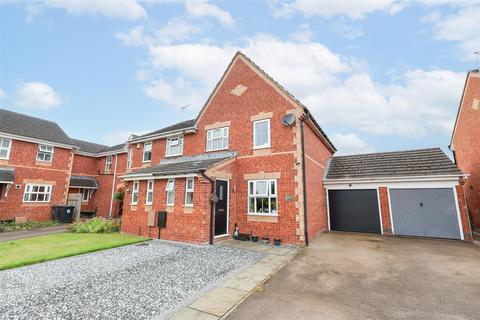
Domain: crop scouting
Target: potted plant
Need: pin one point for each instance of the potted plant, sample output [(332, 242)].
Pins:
[(265, 239), (255, 238), (277, 242)]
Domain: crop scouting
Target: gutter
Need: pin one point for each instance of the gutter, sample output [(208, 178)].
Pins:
[(212, 207), (305, 215), (163, 135), (113, 185)]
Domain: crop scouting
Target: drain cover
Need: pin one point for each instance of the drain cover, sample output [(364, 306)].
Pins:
[(141, 245)]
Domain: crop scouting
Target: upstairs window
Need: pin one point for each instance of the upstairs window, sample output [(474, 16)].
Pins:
[(37, 193), (170, 192), (129, 158), (45, 153), (5, 146), (262, 197), (189, 188), (147, 152), (108, 163), (135, 192), (149, 198), (261, 134), (174, 146), (217, 139)]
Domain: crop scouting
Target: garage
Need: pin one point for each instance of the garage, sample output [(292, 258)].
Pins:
[(354, 211), (416, 193)]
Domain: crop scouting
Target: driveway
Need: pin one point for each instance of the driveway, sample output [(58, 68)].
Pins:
[(354, 276), (133, 282)]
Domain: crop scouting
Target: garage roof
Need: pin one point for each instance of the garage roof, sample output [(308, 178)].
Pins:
[(422, 162)]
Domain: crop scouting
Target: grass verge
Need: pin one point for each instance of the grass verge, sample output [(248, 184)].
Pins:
[(23, 252)]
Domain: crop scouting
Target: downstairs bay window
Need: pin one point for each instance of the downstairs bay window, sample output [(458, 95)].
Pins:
[(262, 197)]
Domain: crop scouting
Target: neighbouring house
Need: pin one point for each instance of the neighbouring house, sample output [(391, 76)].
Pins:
[(406, 193), (40, 166), (253, 148), (465, 143)]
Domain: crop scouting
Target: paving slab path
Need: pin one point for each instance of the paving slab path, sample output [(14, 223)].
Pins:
[(15, 235)]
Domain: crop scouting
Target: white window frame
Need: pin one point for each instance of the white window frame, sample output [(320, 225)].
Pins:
[(147, 151), (135, 188), (29, 191), (224, 134), (9, 148), (88, 193), (108, 163), (168, 151), (269, 143), (189, 190), (252, 195), (44, 150), (170, 188), (129, 158), (150, 186)]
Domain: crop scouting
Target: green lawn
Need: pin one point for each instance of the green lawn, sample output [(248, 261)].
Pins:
[(38, 249)]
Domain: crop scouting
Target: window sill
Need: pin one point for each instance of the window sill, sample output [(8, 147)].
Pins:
[(174, 155), (262, 147), (223, 149), (263, 214)]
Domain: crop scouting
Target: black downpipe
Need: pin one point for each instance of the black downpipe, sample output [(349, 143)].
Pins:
[(305, 215), (212, 208)]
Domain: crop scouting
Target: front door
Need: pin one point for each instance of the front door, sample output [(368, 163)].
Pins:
[(221, 211)]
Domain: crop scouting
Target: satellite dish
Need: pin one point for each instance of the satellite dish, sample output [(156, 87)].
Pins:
[(288, 119)]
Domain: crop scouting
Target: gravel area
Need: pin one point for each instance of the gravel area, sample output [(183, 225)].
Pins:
[(132, 282)]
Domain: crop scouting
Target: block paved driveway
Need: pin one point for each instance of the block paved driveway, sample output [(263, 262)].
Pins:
[(355, 276), (131, 282)]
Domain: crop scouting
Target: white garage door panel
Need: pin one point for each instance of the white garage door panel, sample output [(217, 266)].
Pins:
[(425, 213)]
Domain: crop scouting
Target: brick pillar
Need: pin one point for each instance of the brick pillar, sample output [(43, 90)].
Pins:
[(467, 232), (385, 211)]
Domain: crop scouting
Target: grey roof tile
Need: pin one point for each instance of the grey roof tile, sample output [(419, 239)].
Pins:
[(422, 162), (83, 182), (89, 147), (174, 127)]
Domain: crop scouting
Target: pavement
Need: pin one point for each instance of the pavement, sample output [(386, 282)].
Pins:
[(143, 281), (358, 276), (15, 235)]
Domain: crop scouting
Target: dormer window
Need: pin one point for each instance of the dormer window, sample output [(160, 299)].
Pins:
[(174, 147), (147, 152), (45, 153), (217, 139)]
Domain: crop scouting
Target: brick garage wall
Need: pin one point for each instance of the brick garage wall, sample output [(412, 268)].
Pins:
[(466, 144), (385, 211), (183, 223), (467, 232), (28, 170)]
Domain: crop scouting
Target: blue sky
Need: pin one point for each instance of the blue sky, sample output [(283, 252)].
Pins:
[(377, 75)]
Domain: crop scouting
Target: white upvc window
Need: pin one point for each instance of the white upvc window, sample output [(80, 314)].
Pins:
[(37, 193), (262, 197), (135, 192), (189, 188), (44, 153), (170, 192), (86, 194), (149, 197), (108, 163), (129, 158), (217, 139), (5, 147), (147, 152), (261, 134), (174, 147)]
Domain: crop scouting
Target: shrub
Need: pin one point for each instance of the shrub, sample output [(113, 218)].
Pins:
[(96, 225)]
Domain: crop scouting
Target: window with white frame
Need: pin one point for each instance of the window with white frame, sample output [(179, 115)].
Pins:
[(37, 193), (108, 163), (129, 158), (174, 146), (170, 192), (261, 134), (217, 139), (45, 153), (135, 192), (149, 197), (86, 194), (5, 146), (147, 152), (262, 197), (189, 188)]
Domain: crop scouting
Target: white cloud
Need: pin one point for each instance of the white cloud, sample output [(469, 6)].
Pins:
[(205, 9), (2, 93), (119, 136), (350, 144), (37, 95), (303, 34)]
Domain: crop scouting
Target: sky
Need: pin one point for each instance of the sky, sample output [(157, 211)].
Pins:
[(377, 75)]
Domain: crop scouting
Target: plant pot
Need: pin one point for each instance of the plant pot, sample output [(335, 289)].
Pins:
[(254, 238), (265, 240), (277, 242)]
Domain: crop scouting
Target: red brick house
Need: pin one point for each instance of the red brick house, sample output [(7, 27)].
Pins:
[(253, 145), (40, 166), (465, 143)]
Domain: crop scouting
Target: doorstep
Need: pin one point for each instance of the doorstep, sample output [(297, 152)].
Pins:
[(220, 301)]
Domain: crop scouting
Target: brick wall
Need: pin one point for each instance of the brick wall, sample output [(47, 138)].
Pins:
[(464, 213), (385, 211)]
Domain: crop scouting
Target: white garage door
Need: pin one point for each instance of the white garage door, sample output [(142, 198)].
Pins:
[(425, 213)]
